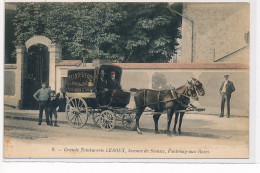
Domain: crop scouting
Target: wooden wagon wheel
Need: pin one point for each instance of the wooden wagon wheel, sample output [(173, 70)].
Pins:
[(77, 112), (95, 117), (128, 121), (107, 120)]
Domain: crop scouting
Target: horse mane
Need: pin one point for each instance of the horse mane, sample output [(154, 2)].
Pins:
[(180, 87)]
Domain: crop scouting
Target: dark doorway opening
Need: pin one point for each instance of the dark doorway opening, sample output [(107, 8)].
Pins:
[(36, 72)]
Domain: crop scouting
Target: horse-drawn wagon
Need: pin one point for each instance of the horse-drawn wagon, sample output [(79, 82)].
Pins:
[(84, 99)]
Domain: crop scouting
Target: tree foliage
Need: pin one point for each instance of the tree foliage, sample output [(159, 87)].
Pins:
[(126, 32)]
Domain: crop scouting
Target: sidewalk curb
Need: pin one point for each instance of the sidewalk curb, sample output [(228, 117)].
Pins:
[(30, 119)]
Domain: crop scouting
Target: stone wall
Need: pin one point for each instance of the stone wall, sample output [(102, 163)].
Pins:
[(9, 84), (10, 76), (219, 29), (211, 79)]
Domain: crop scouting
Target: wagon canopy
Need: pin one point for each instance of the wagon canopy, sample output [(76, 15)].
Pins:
[(85, 80)]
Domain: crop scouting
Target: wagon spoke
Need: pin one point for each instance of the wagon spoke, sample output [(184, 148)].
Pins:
[(95, 116), (107, 120), (105, 124), (78, 101), (70, 114), (82, 109), (128, 121), (80, 120), (69, 111), (82, 104), (73, 104), (110, 125), (73, 118), (74, 109), (76, 120)]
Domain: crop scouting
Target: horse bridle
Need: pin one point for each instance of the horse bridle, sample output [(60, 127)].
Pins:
[(189, 90), (199, 91), (187, 95)]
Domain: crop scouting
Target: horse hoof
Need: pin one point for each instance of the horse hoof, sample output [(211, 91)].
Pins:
[(169, 134), (179, 134), (157, 132)]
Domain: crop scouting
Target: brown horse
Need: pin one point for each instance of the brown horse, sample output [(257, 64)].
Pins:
[(169, 100), (181, 110)]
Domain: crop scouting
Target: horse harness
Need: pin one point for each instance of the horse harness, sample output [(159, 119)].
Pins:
[(175, 97)]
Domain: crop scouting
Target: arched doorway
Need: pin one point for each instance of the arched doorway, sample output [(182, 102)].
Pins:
[(36, 71), (35, 64)]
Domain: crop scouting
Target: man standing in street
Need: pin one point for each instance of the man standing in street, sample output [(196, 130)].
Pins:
[(61, 97), (52, 106), (42, 96), (226, 89)]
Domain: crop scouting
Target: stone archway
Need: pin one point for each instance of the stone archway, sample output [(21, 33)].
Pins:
[(54, 57)]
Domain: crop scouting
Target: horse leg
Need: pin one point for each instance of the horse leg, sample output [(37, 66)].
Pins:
[(175, 121), (156, 119), (137, 117), (169, 119), (181, 116)]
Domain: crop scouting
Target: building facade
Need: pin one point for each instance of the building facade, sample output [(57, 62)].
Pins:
[(215, 32)]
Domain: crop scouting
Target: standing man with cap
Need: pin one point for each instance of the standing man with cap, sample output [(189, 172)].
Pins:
[(226, 89), (42, 96)]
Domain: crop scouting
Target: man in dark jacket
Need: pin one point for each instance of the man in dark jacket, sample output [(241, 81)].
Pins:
[(226, 89), (102, 89), (113, 84), (61, 97)]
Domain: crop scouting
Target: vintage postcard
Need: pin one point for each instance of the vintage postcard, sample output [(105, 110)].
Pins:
[(127, 80)]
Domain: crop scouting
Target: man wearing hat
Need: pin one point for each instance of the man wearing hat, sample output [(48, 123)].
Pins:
[(113, 83), (102, 88), (226, 89), (42, 96)]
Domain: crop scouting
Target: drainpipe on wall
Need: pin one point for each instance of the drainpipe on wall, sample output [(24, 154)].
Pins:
[(192, 28)]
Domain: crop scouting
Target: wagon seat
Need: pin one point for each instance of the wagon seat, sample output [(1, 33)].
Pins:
[(119, 98)]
